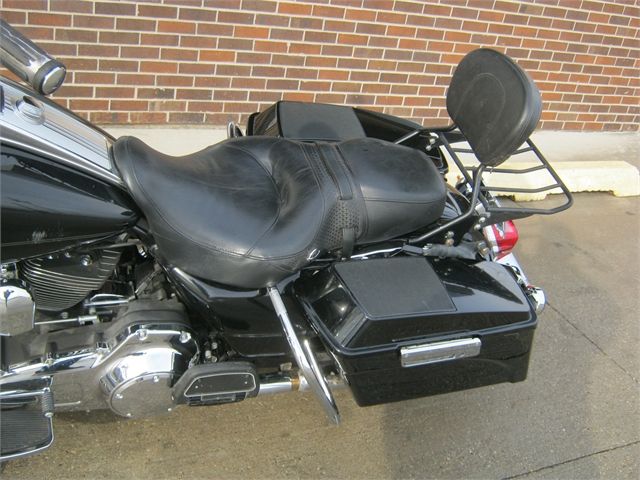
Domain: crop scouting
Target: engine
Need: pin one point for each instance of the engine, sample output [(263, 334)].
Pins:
[(129, 365), (59, 282)]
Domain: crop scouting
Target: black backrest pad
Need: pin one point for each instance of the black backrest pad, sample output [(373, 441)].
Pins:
[(494, 103)]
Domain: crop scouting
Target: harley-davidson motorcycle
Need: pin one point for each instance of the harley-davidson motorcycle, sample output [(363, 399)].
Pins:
[(323, 248)]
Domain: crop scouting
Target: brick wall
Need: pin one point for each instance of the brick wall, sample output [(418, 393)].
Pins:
[(202, 61)]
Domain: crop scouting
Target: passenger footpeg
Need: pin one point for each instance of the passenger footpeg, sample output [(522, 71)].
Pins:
[(305, 359), (25, 420)]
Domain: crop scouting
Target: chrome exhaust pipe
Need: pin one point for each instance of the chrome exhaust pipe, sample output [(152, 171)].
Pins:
[(273, 384)]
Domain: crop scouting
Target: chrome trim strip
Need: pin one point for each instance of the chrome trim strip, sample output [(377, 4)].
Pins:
[(437, 352), (56, 134)]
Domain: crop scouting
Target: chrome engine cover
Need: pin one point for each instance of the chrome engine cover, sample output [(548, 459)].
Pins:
[(128, 366)]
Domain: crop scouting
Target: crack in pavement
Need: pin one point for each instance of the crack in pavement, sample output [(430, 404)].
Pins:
[(566, 319), (606, 450)]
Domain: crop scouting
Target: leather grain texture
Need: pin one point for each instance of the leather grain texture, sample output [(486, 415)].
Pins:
[(494, 103), (249, 211)]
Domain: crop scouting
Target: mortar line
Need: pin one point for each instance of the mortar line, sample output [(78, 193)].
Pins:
[(606, 450), (566, 319)]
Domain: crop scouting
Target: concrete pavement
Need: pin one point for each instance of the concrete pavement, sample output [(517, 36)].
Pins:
[(576, 416)]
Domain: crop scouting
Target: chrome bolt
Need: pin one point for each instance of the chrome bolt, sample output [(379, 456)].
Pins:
[(143, 333), (185, 337), (86, 260), (64, 315), (49, 414), (156, 379)]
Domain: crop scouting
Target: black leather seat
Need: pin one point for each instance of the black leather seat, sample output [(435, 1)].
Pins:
[(250, 211)]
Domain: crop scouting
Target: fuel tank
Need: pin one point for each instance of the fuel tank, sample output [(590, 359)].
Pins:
[(58, 186)]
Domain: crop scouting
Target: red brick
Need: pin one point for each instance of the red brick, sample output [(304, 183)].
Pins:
[(136, 79), (115, 92), (176, 27), (160, 39), (93, 21), (89, 104), (139, 52), (93, 78), (120, 38), (49, 19), (287, 60), (230, 95), (155, 93), (322, 37), (25, 4), (217, 56), (181, 117), (135, 24), (267, 46), (305, 48), (236, 18), (251, 32), (174, 81), (148, 117), (283, 84), (158, 67), (326, 62), (198, 68), (198, 14), (214, 29), (157, 11), (294, 9), (115, 8), (72, 35), (98, 51), (333, 75), (259, 5), (106, 118), (249, 83), (286, 34), (179, 54), (272, 20)]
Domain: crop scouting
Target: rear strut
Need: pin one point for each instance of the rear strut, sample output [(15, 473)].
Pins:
[(305, 359)]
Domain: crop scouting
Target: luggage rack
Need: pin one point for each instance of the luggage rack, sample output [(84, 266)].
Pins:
[(491, 207), (485, 194)]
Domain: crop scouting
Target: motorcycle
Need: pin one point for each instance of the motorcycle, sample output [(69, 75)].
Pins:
[(323, 248)]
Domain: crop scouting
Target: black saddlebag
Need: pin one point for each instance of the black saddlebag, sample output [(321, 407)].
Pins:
[(408, 327)]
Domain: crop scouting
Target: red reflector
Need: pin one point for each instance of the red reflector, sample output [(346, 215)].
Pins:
[(505, 238)]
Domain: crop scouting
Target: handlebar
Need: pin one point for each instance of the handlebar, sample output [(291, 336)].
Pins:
[(29, 62)]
